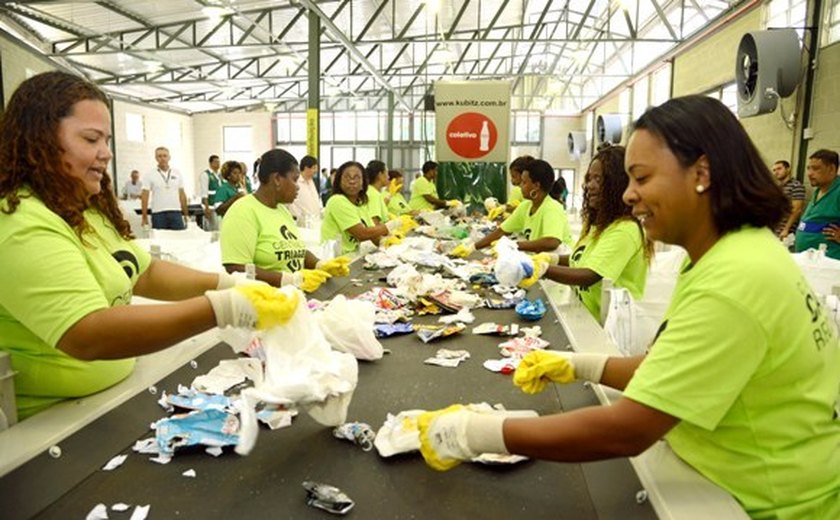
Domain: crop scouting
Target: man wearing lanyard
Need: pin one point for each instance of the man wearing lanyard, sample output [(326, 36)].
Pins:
[(169, 202), (209, 182), (820, 223)]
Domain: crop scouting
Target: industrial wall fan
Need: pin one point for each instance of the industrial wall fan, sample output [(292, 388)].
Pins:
[(577, 143), (767, 67), (608, 128)]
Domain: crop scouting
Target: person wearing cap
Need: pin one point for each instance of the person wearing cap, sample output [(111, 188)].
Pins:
[(259, 229)]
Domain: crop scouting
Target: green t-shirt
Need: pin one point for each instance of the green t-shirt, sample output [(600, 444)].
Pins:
[(618, 255), (823, 211), (376, 205), (213, 183), (419, 190), (340, 215), (548, 221), (397, 204), (49, 281), (254, 233), (515, 194), (749, 361), (225, 192)]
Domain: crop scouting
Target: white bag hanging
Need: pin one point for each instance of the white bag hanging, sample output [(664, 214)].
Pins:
[(348, 327)]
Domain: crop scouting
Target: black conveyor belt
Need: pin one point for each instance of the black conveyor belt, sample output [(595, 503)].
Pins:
[(267, 483)]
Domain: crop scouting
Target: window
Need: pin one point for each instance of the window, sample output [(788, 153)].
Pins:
[(238, 143), (832, 20), (640, 97), (284, 131), (726, 94), (526, 127), (660, 91), (787, 13), (298, 127), (134, 128)]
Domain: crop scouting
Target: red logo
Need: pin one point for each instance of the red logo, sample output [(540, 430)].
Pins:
[(471, 135)]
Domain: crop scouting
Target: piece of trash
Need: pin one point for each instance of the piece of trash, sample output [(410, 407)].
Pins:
[(147, 446), (140, 512), (189, 473), (208, 427), (276, 419), (502, 366), (120, 507), (357, 432), (228, 373), (99, 512), (194, 363), (462, 316), (153, 390), (532, 332), (399, 434), (498, 459), (448, 358), (55, 451), (428, 333), (327, 497), (520, 347), (497, 328), (384, 330), (531, 310), (114, 463), (214, 451)]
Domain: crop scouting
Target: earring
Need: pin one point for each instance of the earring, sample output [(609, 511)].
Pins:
[(700, 188), (534, 193)]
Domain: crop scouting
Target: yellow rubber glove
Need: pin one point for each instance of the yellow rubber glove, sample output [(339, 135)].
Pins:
[(541, 262), (408, 223), (339, 266), (514, 203), (443, 437), (310, 279), (253, 306), (539, 368), (495, 213), (394, 186), (453, 203), (391, 240), (463, 250)]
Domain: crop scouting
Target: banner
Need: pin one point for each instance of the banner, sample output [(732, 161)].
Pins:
[(312, 137), (472, 121)]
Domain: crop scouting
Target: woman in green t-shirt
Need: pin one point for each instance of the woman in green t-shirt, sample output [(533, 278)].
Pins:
[(70, 264), (742, 377), (396, 201), (612, 244), (259, 229), (540, 221), (346, 216)]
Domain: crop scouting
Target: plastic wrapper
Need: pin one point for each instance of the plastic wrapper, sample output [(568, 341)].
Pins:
[(448, 358), (327, 497), (502, 366), (520, 347), (384, 330), (443, 300), (190, 399), (393, 316), (496, 329), (531, 310), (462, 316), (484, 279), (398, 434), (429, 333), (358, 433), (505, 301), (206, 427)]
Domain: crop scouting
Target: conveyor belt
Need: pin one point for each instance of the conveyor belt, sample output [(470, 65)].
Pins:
[(267, 483)]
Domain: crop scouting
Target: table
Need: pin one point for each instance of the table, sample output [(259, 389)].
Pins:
[(268, 481)]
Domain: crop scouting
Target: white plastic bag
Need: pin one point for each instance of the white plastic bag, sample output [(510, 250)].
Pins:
[(512, 265), (348, 327), (300, 370)]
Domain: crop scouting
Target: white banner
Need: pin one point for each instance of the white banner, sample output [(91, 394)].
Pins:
[(472, 121)]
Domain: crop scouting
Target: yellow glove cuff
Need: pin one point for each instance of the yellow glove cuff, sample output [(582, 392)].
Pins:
[(273, 307)]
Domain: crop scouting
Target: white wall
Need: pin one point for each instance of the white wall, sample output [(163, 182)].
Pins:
[(17, 62), (209, 141), (161, 128)]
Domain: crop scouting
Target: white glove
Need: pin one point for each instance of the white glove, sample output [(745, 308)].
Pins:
[(393, 225), (237, 279), (257, 306)]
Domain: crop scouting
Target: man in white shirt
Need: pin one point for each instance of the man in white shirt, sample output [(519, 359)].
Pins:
[(133, 188), (208, 182), (308, 201), (169, 202)]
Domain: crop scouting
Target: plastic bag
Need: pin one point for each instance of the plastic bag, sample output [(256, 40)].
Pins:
[(300, 370), (348, 326), (512, 265)]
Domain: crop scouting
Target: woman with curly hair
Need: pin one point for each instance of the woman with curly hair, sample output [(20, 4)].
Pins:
[(346, 215), (612, 244), (232, 188), (70, 267)]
